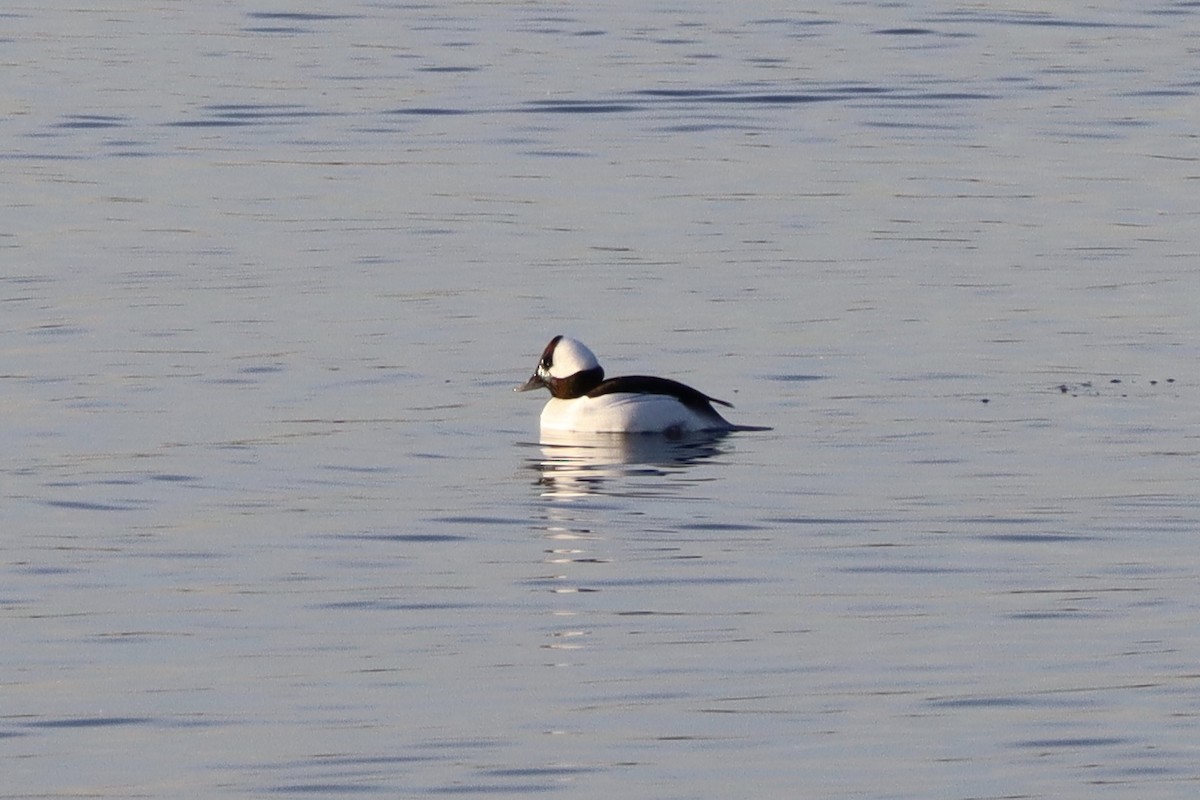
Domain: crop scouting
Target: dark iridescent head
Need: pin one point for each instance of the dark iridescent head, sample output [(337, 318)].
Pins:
[(567, 368)]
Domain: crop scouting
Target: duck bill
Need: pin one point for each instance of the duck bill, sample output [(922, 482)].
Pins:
[(534, 382)]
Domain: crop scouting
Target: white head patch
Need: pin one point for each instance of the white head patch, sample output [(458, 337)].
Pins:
[(571, 356)]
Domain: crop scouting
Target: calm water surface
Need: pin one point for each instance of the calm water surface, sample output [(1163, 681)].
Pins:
[(273, 523)]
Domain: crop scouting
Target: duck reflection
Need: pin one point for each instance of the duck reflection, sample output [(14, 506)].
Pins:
[(573, 465), (591, 486)]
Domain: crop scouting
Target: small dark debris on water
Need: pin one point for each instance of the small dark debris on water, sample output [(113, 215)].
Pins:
[(985, 400), (1077, 389), (1088, 389)]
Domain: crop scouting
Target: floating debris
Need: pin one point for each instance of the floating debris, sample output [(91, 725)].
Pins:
[(1088, 388)]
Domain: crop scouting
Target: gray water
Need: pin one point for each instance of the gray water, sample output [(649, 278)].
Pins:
[(274, 524)]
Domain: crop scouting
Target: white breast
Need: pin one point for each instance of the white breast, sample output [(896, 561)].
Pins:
[(624, 413)]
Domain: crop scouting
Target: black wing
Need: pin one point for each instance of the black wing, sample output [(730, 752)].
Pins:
[(646, 384)]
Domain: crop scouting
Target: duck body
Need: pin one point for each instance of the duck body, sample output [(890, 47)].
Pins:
[(623, 409), (583, 401)]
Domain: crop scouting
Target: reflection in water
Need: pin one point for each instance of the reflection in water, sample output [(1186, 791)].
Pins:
[(575, 465), (582, 479)]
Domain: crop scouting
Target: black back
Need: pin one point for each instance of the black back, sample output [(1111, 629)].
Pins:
[(647, 384)]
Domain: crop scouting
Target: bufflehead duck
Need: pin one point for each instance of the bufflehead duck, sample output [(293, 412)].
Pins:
[(584, 402)]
